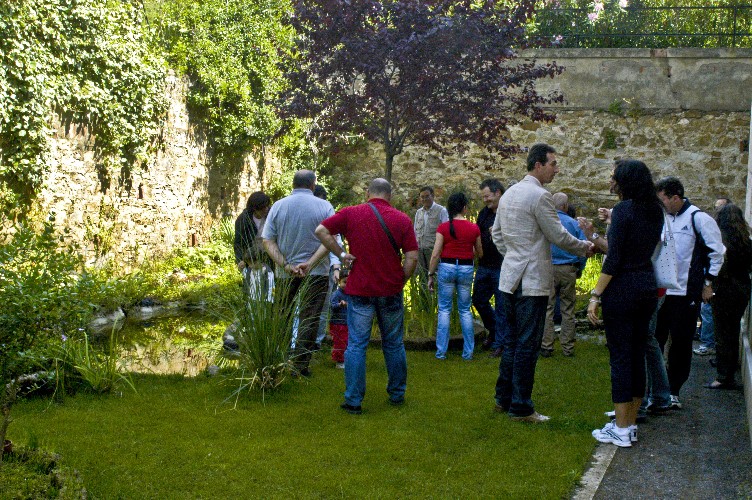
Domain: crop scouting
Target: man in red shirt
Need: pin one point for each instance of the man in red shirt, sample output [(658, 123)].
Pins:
[(377, 276)]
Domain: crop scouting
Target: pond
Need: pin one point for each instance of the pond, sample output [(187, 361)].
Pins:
[(185, 344)]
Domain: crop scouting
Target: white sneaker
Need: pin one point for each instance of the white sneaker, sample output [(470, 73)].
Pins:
[(675, 404), (614, 435), (340, 366)]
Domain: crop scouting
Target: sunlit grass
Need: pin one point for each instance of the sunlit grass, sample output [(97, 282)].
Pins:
[(176, 438)]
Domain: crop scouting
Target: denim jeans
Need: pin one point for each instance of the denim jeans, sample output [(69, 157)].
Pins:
[(707, 330), (389, 312), (325, 312), (658, 391), (451, 276), (527, 317)]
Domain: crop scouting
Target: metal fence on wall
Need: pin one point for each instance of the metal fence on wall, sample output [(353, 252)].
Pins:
[(649, 27)]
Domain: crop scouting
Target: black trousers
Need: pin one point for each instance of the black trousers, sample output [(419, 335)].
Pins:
[(677, 320), (627, 320), (729, 305), (312, 294)]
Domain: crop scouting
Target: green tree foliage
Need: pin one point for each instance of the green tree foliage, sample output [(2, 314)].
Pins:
[(87, 62), (646, 23), (438, 74), (231, 50)]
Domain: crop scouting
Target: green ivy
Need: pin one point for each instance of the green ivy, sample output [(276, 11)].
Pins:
[(82, 62), (231, 50)]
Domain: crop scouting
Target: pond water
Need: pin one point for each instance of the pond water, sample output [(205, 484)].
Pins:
[(173, 345)]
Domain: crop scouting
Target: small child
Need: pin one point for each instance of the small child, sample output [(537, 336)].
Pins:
[(338, 320)]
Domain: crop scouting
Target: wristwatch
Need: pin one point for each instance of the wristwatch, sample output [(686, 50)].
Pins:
[(595, 236), (708, 283), (594, 293), (342, 255)]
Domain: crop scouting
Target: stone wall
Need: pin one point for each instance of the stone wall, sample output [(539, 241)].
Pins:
[(706, 150), (171, 202), (684, 112)]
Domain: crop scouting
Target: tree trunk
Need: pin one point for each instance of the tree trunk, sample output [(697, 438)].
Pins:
[(389, 163), (7, 402)]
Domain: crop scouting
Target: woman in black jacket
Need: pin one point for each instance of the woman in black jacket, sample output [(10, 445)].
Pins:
[(628, 290), (732, 293), (249, 252)]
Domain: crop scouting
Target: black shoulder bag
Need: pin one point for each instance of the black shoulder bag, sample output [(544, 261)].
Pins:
[(386, 230)]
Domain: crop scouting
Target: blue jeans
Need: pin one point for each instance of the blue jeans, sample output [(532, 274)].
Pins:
[(707, 330), (658, 390), (485, 286), (453, 276), (389, 312), (527, 317)]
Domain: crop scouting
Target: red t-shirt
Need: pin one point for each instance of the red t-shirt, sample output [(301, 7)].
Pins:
[(462, 246), (377, 270)]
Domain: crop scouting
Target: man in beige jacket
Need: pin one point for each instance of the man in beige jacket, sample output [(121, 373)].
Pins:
[(525, 227)]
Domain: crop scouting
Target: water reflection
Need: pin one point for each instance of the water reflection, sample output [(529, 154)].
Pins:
[(174, 345)]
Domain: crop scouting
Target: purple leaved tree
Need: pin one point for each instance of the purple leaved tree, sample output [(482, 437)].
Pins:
[(441, 74)]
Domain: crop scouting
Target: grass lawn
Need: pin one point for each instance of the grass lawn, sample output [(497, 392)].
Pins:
[(177, 439)]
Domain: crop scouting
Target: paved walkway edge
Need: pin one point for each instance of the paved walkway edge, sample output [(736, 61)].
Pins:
[(747, 378), (592, 478)]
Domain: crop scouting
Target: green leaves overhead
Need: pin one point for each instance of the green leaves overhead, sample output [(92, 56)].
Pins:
[(85, 60), (231, 51)]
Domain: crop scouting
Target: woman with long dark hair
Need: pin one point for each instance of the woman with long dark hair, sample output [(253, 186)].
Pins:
[(457, 243), (627, 290), (732, 292)]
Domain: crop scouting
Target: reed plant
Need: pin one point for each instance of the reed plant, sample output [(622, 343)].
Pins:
[(421, 308), (96, 368), (590, 275), (262, 330)]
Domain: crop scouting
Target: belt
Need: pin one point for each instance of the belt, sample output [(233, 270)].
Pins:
[(459, 262)]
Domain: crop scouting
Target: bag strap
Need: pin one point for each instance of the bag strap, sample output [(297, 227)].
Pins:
[(667, 233), (698, 234), (386, 229)]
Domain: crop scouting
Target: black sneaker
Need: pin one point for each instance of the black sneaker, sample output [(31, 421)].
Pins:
[(546, 353), (353, 410), (654, 409)]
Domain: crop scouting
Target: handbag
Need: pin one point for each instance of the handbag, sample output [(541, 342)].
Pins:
[(664, 259)]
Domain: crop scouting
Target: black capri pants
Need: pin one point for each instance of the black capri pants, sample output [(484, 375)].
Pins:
[(627, 314)]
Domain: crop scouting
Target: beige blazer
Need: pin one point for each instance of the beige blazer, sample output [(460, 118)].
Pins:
[(526, 224)]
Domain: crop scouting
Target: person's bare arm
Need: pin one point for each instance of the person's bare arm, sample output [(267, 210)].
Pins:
[(275, 253), (330, 243), (409, 264), (438, 247)]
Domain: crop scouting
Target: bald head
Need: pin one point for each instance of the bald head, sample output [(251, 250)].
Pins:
[(380, 188), (561, 201)]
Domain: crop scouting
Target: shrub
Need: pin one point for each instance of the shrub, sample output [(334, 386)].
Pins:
[(42, 294)]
